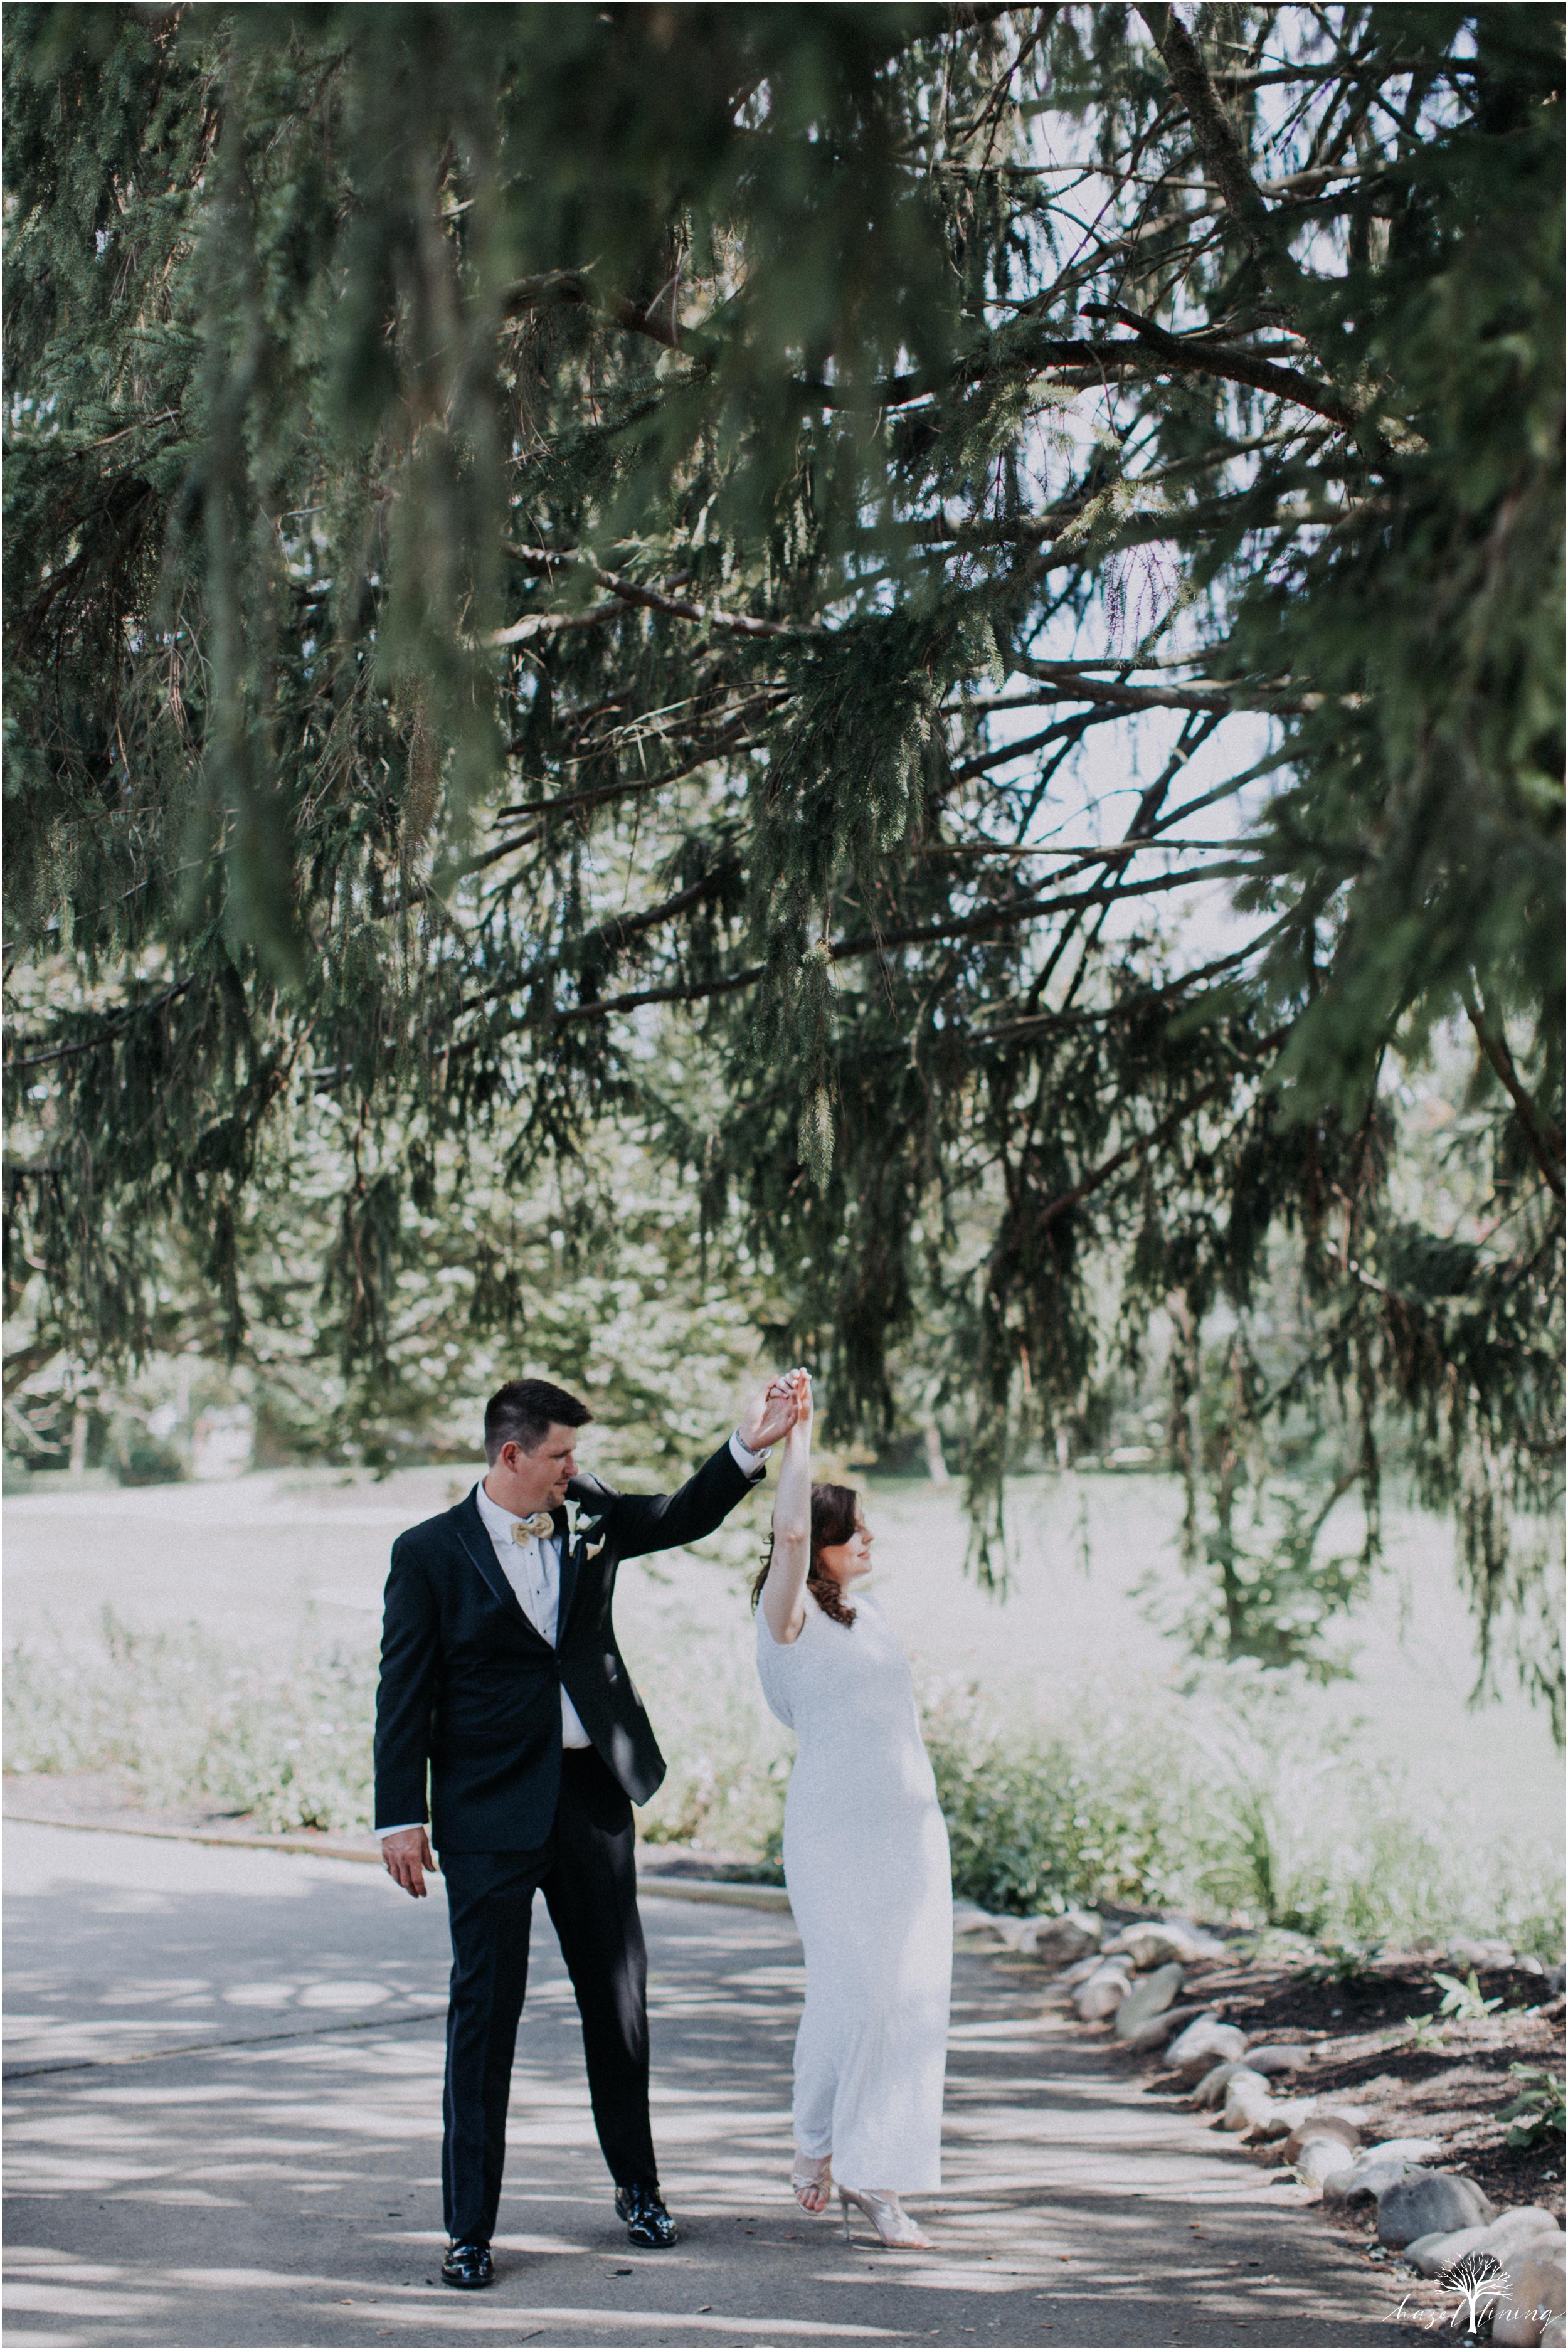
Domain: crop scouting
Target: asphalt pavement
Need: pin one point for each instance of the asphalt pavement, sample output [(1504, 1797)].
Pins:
[(223, 2109)]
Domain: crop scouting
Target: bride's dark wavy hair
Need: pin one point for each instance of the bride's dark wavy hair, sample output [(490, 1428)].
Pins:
[(832, 1509)]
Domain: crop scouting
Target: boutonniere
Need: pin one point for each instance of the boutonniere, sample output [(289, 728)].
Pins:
[(583, 1529)]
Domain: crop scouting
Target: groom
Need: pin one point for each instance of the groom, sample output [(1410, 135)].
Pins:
[(502, 1685)]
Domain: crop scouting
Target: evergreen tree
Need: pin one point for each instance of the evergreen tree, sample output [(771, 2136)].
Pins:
[(735, 569)]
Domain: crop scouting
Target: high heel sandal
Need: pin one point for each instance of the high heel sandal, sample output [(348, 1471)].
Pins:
[(886, 2215), (810, 2177)]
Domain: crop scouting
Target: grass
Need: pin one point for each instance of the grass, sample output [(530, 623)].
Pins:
[(282, 1740), (1221, 1798)]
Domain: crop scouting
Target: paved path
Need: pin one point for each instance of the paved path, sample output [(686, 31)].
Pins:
[(224, 2118)]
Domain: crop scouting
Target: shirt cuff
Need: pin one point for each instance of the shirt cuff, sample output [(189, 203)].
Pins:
[(751, 1464), (402, 1827)]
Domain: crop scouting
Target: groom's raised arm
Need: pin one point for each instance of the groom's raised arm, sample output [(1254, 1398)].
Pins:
[(645, 1522)]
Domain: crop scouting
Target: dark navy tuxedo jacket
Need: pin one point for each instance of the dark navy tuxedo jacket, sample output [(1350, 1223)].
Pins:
[(470, 1696)]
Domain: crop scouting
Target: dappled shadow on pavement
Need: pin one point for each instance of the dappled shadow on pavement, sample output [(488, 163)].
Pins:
[(271, 2189)]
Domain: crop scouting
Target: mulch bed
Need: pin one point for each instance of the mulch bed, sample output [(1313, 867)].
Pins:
[(1368, 2064)]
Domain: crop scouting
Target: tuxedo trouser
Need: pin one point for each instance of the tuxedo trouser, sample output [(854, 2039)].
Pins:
[(587, 1873)]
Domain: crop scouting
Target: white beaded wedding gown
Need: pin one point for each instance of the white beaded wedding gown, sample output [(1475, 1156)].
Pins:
[(866, 1865)]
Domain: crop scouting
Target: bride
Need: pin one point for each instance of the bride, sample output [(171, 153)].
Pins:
[(866, 1860)]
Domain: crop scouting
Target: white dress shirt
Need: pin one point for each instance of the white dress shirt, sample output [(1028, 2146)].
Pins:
[(532, 1565)]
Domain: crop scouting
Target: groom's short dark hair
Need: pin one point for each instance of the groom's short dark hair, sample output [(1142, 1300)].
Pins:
[(525, 1410)]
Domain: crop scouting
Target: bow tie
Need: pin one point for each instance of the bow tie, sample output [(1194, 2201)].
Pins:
[(541, 1524)]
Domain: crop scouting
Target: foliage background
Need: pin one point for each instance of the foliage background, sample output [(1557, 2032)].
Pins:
[(1128, 1792), (898, 666)]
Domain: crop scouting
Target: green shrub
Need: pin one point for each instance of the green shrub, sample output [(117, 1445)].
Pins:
[(1230, 1797), (285, 1740), (1039, 1815)]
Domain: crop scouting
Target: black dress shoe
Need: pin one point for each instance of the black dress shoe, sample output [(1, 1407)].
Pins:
[(647, 2221), (468, 2266)]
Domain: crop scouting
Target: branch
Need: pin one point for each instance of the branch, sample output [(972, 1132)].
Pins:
[(1130, 1006), (570, 285), (1212, 127), (539, 624), (1544, 1139), (1075, 359), (23, 1361), (1307, 186), (1018, 750), (733, 740), (631, 789), (622, 927), (105, 1035), (843, 950), (1235, 366), (612, 934), (1078, 688), (627, 591), (680, 609), (695, 994), (1064, 1201)]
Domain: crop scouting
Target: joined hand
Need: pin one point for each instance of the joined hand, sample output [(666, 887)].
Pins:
[(775, 1412)]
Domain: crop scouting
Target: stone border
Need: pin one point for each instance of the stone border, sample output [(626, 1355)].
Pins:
[(1428, 2220), (652, 1883)]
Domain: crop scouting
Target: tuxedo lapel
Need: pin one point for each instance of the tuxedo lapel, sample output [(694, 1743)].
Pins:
[(471, 1534), (571, 1558)]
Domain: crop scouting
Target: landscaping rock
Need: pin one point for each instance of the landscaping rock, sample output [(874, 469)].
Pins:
[(1056, 1937), (1170, 1941), (1204, 2043), (1284, 2116), (1511, 2232), (1149, 1999), (1522, 2224), (1103, 1994), (1316, 2158), (1080, 1972), (1015, 1933), (1431, 2255), (1059, 1941), (1467, 1951), (1426, 2201), (1278, 2056), (1403, 2149), (1211, 2090), (1369, 2182), (1339, 2127), (970, 1918), (1157, 2031), (1247, 2101), (1533, 2298)]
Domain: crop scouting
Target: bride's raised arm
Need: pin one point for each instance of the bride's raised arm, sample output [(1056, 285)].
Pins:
[(784, 1600)]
